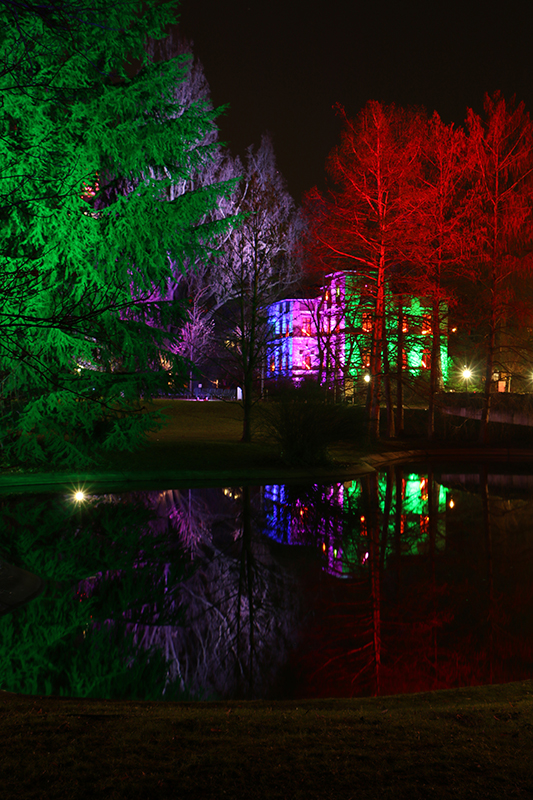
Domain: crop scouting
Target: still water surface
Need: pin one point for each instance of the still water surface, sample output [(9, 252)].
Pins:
[(409, 579)]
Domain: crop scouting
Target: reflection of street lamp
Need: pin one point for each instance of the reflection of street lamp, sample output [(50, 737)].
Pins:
[(78, 497)]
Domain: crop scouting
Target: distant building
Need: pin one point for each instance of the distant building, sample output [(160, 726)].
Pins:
[(329, 337)]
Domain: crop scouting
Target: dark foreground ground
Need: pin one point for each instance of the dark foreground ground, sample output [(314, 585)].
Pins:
[(466, 743)]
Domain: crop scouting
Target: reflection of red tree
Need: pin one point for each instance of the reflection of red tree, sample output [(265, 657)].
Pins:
[(412, 626)]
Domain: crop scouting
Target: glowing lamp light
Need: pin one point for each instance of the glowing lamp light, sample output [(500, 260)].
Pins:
[(451, 503), (367, 378), (79, 496), (467, 374)]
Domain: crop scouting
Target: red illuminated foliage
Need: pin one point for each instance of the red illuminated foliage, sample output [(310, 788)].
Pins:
[(364, 220), (440, 246), (419, 208), (500, 148)]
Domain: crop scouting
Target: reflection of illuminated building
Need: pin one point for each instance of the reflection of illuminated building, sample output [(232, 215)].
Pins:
[(311, 516), (345, 520)]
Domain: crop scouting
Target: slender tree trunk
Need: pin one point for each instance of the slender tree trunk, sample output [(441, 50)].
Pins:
[(388, 390), (489, 368), (377, 352), (248, 348), (399, 370), (435, 375), (247, 408)]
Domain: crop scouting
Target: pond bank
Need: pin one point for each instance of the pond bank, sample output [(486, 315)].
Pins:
[(474, 742), (344, 468), (200, 445)]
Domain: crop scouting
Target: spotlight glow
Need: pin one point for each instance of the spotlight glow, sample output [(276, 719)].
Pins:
[(467, 374), (79, 496)]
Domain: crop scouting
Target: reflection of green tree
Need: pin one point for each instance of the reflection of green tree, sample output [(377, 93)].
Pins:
[(405, 509), (77, 643)]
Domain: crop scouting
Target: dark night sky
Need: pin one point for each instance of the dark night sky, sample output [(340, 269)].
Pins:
[(282, 65)]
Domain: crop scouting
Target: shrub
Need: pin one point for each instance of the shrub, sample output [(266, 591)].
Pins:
[(304, 425)]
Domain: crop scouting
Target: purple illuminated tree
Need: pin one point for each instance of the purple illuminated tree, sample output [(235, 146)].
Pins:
[(254, 267)]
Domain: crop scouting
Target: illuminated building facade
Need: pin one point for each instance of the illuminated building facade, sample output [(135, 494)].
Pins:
[(329, 337)]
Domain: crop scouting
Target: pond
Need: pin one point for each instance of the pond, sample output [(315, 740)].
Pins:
[(409, 579)]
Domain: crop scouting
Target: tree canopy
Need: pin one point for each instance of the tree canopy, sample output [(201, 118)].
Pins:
[(90, 238)]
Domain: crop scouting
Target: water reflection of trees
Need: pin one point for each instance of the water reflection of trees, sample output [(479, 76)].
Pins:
[(422, 581), (104, 570), (240, 605), (150, 594), (435, 593)]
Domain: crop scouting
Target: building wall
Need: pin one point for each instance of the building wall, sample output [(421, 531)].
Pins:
[(329, 337)]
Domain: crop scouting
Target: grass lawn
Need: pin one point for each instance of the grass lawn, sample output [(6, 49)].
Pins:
[(201, 442), (207, 436), (467, 743)]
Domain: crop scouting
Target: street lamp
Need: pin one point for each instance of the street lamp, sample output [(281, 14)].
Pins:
[(467, 374)]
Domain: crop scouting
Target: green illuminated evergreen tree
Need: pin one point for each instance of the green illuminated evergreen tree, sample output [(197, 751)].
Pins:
[(91, 230)]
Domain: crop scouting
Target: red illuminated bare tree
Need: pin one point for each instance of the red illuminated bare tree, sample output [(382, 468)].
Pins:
[(441, 242), (365, 219), (501, 157)]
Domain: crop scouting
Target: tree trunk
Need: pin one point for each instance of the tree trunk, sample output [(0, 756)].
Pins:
[(388, 392), (485, 413), (435, 376), (247, 408), (376, 361), (399, 371)]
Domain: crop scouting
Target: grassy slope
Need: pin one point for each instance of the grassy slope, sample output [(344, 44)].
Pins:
[(200, 442), (206, 436), (472, 743)]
